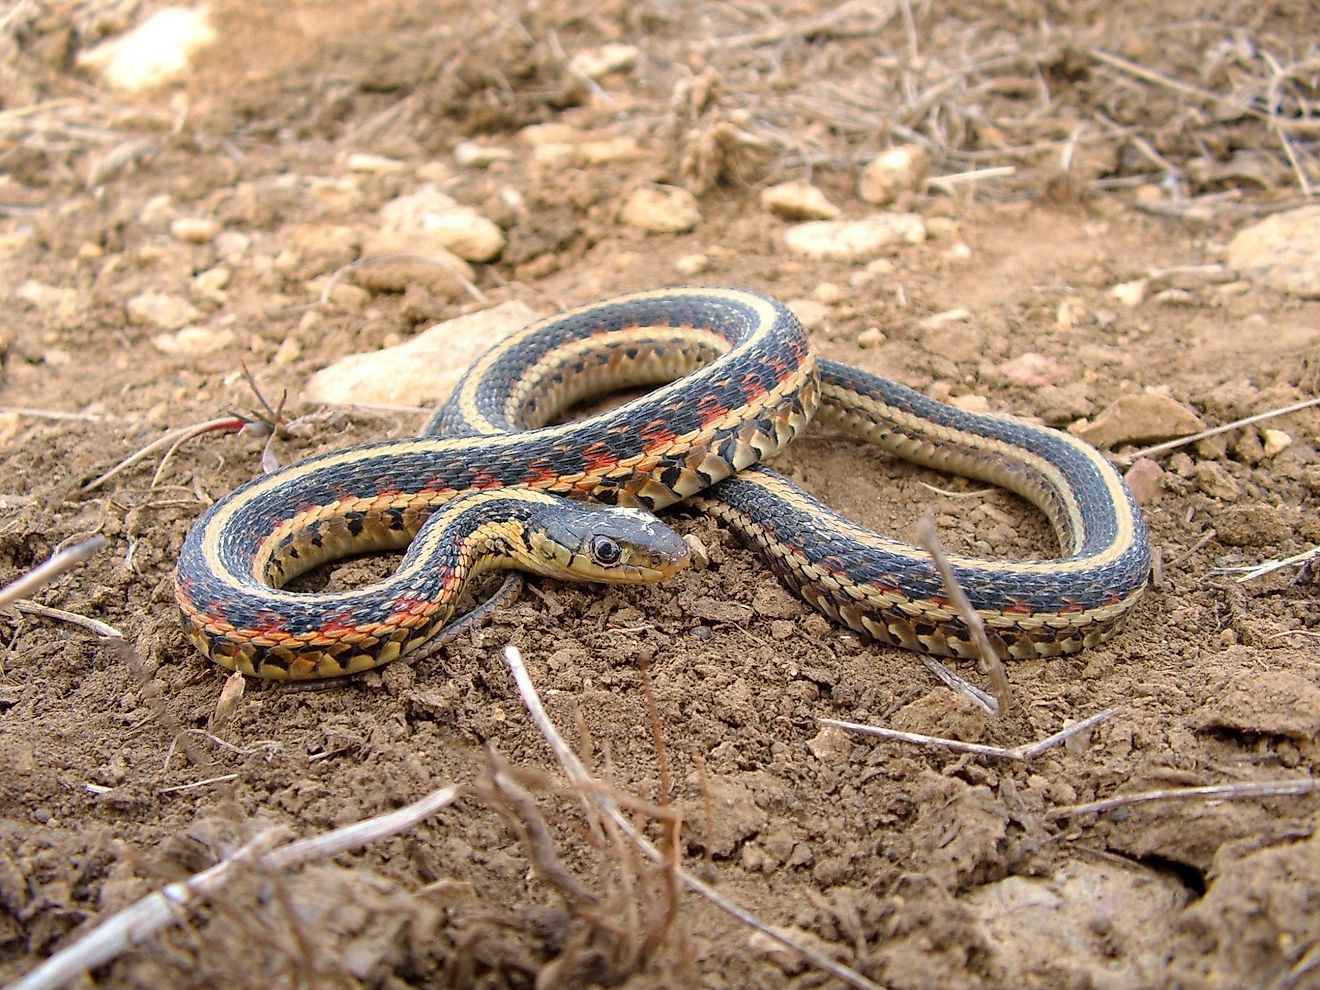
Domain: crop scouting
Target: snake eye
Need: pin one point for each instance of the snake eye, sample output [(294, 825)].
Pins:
[(605, 551)]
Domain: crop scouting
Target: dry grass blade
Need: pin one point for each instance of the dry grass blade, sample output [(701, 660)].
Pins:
[(1163, 448), (43, 574), (1269, 567), (991, 662), (1024, 752), (609, 806), (73, 618), (170, 441), (1211, 792), (168, 906)]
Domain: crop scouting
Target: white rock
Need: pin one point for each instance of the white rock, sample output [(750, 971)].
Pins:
[(193, 340), (798, 200), (552, 133), (421, 371), (1031, 369), (892, 173), (1282, 251), (374, 164), (157, 51), (58, 301), (1275, 441), (597, 63), (970, 403), (660, 209), (469, 154), (692, 264), (1130, 294), (161, 310), (854, 240), (194, 230), (232, 244), (397, 259), (581, 153), (457, 228), (211, 284)]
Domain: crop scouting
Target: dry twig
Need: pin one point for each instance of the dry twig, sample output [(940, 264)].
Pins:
[(1163, 448), (1024, 752), (991, 662), (609, 806), (43, 574), (169, 906), (1225, 792)]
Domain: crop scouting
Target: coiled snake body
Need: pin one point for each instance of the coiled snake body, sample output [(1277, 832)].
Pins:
[(475, 496)]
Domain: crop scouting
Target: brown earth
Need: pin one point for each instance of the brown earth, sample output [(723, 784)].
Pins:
[(916, 867)]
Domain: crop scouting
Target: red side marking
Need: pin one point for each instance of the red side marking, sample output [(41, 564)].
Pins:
[(657, 434), (269, 624), (541, 472), (597, 457), (1018, 607), (752, 387), (483, 479), (710, 409), (1071, 608)]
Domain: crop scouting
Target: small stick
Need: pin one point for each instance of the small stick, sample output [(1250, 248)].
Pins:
[(1260, 788), (73, 618), (948, 183), (1271, 566), (31, 413), (1021, 753), (540, 844), (43, 574), (1161, 448), (169, 439), (1150, 76), (142, 919), (578, 775), (991, 663)]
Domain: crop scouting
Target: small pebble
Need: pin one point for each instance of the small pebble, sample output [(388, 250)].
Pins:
[(194, 230)]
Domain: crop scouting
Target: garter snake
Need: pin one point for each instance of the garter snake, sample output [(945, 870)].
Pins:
[(749, 383)]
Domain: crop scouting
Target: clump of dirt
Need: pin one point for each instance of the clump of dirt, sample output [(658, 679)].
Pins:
[(1091, 161)]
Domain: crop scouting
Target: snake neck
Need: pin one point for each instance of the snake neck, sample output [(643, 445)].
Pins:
[(476, 532)]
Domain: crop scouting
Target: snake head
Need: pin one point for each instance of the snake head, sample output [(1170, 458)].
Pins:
[(583, 541)]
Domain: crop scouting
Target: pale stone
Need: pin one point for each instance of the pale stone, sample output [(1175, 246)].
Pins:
[(1282, 251), (1030, 369), (374, 164), (421, 371), (798, 200), (660, 209), (211, 284), (1130, 294), (1145, 479), (854, 240), (1142, 418), (892, 173), (193, 340), (194, 230), (692, 264), (1046, 930), (469, 154), (58, 301), (1275, 441), (157, 51), (161, 310), (597, 63), (458, 228)]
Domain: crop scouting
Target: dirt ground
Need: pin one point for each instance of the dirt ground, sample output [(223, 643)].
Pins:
[(917, 867)]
